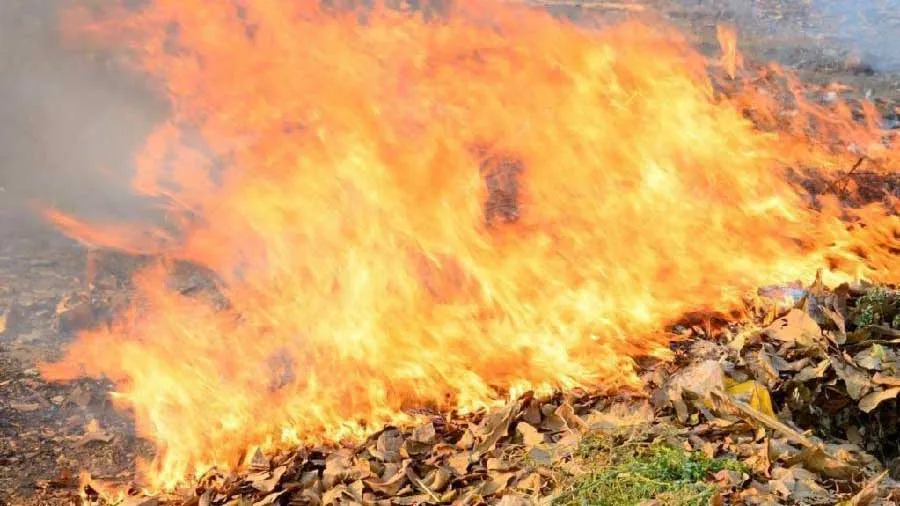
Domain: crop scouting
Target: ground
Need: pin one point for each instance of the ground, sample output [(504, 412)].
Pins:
[(50, 432)]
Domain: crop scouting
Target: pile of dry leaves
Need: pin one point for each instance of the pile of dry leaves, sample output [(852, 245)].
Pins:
[(803, 397)]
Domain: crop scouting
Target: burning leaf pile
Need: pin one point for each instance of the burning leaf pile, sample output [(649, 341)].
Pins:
[(794, 406), (409, 217)]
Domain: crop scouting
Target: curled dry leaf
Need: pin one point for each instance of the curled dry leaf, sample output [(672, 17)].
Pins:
[(573, 421), (493, 428), (872, 400)]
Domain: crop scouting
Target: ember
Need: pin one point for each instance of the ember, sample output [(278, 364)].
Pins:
[(373, 262)]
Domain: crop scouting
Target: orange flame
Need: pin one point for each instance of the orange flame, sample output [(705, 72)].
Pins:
[(731, 58), (338, 192)]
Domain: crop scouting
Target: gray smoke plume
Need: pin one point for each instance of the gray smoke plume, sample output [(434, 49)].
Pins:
[(69, 124)]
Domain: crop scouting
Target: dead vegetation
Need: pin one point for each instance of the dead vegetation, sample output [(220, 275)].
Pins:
[(794, 403)]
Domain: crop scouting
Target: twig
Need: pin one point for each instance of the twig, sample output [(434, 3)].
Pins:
[(421, 485), (772, 422), (845, 179)]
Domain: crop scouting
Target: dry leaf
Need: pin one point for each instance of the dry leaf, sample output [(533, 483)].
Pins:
[(796, 327), (424, 434), (818, 461), (497, 483), (881, 379), (755, 395), (869, 492), (799, 485), (856, 381), (392, 481), (493, 428), (621, 414), (530, 436), (530, 483), (699, 379), (387, 447), (871, 401), (459, 463), (573, 421), (514, 500), (268, 484), (269, 499), (812, 372)]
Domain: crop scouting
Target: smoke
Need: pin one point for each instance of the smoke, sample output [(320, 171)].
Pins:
[(71, 123), (867, 31)]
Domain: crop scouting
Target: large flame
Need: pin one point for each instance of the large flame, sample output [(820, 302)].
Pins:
[(426, 213)]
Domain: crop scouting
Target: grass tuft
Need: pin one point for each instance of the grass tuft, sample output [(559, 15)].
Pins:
[(622, 475)]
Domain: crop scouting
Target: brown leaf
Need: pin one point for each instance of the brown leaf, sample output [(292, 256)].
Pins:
[(413, 477), (530, 483), (553, 423), (881, 379), (387, 447), (566, 446), (797, 328), (268, 484), (799, 485), (141, 501), (621, 414), (95, 433), (871, 401), (424, 434), (514, 500), (338, 467), (699, 379), (459, 463), (438, 479), (530, 436), (411, 500), (269, 499), (532, 413), (573, 421), (856, 381), (496, 483), (493, 428), (869, 492), (871, 358), (333, 494), (818, 461), (392, 481), (467, 441), (812, 372)]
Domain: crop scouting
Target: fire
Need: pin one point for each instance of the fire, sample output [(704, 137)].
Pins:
[(426, 213), (731, 59)]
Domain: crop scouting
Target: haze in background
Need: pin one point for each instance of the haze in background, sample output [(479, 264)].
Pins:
[(65, 117)]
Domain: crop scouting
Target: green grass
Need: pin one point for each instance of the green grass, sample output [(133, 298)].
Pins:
[(622, 475)]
